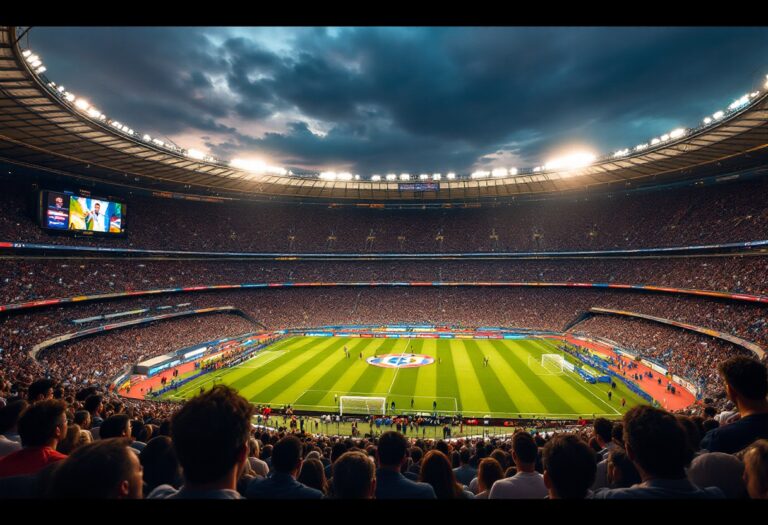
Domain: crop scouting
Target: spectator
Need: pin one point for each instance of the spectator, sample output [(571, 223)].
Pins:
[(621, 472), (390, 483), (489, 473), (40, 390), (10, 441), (756, 469), (160, 464), (526, 483), (720, 470), (312, 474), (41, 427), (569, 467), (466, 472), (746, 384), (210, 435), (282, 484), (354, 476), (258, 466), (436, 471), (658, 446), (603, 434), (106, 469)]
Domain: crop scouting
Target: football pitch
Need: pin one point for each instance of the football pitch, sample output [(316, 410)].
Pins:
[(311, 373)]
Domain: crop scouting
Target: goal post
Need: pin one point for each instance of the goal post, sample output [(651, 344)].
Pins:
[(376, 406), (554, 363)]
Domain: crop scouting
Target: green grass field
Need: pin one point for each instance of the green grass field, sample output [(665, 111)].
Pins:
[(307, 372)]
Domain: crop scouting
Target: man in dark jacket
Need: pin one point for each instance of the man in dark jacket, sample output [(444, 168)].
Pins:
[(390, 483), (282, 484), (746, 384)]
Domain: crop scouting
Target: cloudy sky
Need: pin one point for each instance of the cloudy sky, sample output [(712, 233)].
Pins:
[(378, 100)]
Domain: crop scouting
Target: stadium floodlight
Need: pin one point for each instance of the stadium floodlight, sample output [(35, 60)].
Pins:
[(754, 94), (82, 104), (677, 133), (451, 176), (60, 89), (570, 162), (707, 120), (344, 176), (69, 96), (480, 174), (641, 147), (405, 176), (195, 154), (32, 58), (655, 141), (41, 70), (513, 171), (376, 178), (357, 177), (436, 176), (147, 138), (328, 175), (621, 153), (423, 176), (499, 172), (665, 137), (718, 115), (537, 169), (391, 176), (94, 113), (26, 53), (739, 102), (35, 63)]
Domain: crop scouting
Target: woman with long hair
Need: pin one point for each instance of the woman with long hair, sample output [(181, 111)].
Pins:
[(436, 470)]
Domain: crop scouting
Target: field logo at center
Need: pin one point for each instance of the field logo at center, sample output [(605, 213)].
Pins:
[(400, 360)]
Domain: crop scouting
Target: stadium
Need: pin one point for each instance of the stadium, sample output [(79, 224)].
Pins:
[(598, 322)]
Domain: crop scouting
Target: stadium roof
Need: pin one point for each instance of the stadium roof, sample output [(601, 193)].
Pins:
[(39, 131)]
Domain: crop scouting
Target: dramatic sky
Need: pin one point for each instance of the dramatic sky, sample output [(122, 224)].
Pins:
[(378, 100)]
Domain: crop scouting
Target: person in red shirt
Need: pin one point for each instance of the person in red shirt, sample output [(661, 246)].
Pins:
[(41, 427)]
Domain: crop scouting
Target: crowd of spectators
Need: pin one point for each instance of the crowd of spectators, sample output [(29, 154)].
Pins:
[(723, 213), (27, 279), (210, 449)]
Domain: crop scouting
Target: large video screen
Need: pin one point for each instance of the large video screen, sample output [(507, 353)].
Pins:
[(75, 213)]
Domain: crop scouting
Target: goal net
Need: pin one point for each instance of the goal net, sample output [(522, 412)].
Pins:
[(362, 405), (554, 363)]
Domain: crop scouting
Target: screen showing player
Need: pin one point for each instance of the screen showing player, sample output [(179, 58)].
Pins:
[(96, 215)]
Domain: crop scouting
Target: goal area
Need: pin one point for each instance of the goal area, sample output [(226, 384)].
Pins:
[(376, 406)]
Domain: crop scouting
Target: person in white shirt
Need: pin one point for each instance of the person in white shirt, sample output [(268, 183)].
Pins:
[(98, 219), (527, 483)]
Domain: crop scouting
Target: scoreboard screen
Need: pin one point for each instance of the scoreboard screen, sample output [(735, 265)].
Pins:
[(67, 212)]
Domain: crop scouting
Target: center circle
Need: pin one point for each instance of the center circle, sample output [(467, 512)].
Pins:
[(400, 360)]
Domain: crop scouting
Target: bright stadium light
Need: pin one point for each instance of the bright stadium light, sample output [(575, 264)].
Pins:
[(41, 70), (677, 133), (436, 176), (480, 174), (641, 147), (357, 177), (513, 171), (621, 153), (195, 154), (423, 176), (391, 176), (739, 102), (344, 176), (257, 166), (655, 141), (754, 94), (718, 115), (665, 137), (94, 113), (376, 178), (32, 58), (451, 176), (537, 169), (328, 175), (405, 176), (60, 89), (707, 120), (570, 162), (35, 64), (499, 172), (82, 104), (26, 53)]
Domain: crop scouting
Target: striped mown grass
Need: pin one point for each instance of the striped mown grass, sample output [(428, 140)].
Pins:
[(310, 373)]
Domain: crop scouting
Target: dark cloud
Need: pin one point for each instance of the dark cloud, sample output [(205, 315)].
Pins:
[(409, 99)]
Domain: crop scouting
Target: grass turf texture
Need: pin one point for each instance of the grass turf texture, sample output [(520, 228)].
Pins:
[(306, 372)]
